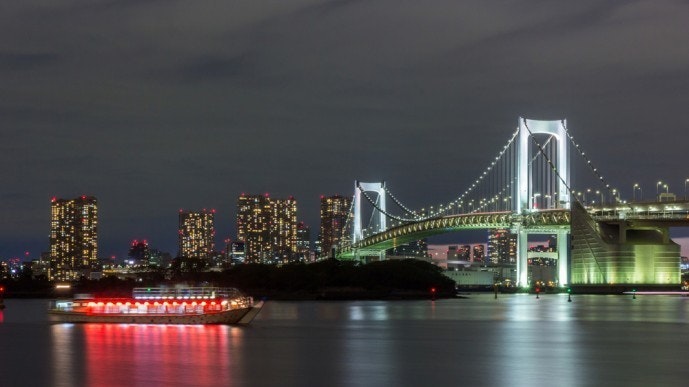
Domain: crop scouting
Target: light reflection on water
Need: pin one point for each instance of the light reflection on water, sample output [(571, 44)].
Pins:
[(515, 340), (164, 355)]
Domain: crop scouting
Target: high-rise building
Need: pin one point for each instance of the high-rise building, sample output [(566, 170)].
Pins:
[(502, 247), (253, 226), (73, 238), (284, 228), (303, 241), (196, 234), (268, 228), (334, 213), (139, 253)]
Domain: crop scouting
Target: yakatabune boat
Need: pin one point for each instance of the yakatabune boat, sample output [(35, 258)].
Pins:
[(179, 305)]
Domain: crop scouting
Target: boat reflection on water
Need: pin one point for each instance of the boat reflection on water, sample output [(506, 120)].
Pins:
[(169, 355)]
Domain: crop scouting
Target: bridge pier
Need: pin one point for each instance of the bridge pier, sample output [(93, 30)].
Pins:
[(522, 257), (563, 272), (622, 252), (525, 192), (563, 243)]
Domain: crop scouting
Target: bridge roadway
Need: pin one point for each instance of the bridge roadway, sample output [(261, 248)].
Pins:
[(667, 214)]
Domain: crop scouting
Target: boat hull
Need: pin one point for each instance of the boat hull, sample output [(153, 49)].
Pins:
[(233, 316)]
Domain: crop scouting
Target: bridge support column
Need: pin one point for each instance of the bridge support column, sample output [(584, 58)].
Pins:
[(563, 258), (522, 257)]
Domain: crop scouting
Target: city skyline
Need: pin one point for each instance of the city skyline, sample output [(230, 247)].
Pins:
[(205, 101)]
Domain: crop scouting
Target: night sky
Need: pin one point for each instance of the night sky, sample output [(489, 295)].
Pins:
[(153, 106)]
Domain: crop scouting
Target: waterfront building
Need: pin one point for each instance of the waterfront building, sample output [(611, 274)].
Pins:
[(502, 247), (267, 227), (478, 253), (415, 249), (159, 258), (73, 238), (464, 253), (237, 252), (253, 226), (283, 229), (334, 214), (303, 244), (139, 253), (196, 234)]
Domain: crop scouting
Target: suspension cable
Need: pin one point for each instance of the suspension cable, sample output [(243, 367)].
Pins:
[(483, 175), (616, 199), (402, 206), (397, 218)]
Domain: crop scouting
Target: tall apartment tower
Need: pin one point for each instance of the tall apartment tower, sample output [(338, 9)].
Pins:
[(502, 247), (334, 213), (73, 237), (196, 234), (284, 228), (268, 228), (303, 241)]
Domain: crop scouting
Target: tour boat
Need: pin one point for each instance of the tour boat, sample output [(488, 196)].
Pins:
[(164, 305)]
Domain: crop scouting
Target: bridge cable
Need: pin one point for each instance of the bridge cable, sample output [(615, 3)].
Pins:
[(400, 219), (402, 206), (593, 169), (483, 175)]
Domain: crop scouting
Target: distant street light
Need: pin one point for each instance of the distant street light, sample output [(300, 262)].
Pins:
[(658, 184), (685, 188), (588, 190), (641, 194)]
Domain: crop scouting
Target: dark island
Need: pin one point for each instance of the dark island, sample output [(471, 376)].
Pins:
[(326, 280)]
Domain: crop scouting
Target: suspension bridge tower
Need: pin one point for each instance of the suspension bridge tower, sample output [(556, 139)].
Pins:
[(361, 188), (528, 185)]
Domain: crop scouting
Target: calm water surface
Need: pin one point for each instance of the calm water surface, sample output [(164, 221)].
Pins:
[(516, 340)]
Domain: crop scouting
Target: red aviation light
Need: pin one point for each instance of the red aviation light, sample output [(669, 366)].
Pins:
[(53, 199)]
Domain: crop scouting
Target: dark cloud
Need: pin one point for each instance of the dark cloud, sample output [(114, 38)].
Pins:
[(211, 67), (13, 61), (154, 106)]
